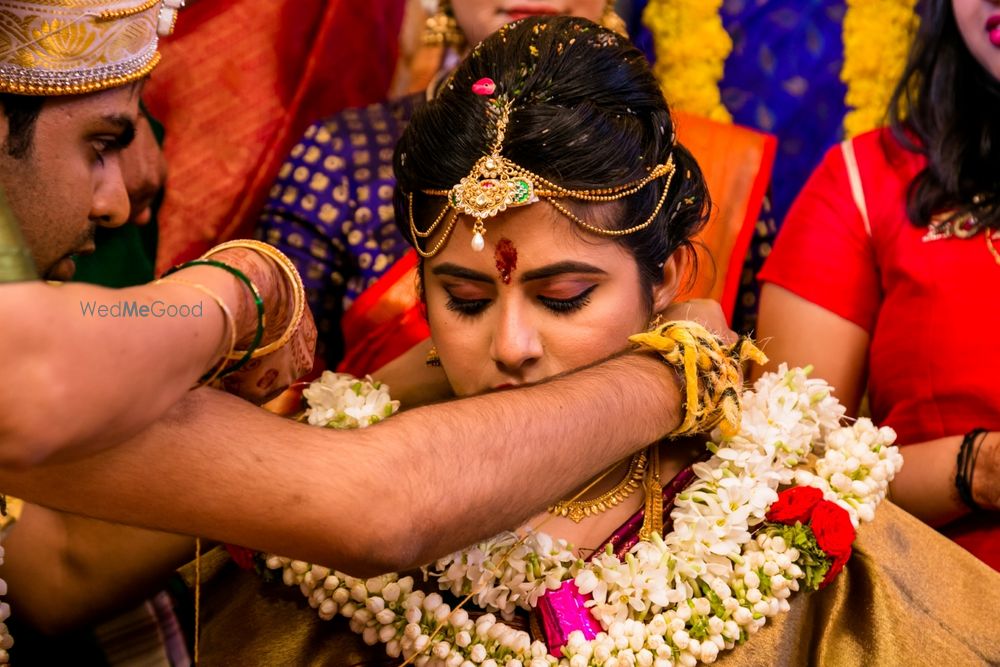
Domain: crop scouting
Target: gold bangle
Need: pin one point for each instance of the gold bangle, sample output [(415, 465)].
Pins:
[(230, 324), (294, 281)]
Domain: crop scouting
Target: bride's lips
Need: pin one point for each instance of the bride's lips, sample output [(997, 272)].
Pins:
[(993, 29), (517, 12)]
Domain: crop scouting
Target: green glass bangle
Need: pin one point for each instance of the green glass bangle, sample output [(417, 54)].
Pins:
[(258, 301)]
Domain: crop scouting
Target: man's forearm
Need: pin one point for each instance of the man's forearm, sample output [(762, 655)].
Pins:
[(415, 487), (74, 378), (492, 461)]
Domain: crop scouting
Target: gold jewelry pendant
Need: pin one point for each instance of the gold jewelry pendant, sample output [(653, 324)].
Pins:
[(578, 510)]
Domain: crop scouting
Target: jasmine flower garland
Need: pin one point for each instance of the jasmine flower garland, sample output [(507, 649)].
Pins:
[(339, 400), (737, 551)]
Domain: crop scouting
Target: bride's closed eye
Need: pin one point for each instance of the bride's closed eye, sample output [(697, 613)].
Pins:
[(466, 307), (568, 304), (467, 298), (470, 307)]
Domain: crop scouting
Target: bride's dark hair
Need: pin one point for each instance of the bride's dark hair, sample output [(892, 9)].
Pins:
[(947, 107), (587, 113)]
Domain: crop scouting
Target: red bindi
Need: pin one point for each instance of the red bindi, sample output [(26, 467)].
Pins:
[(506, 258)]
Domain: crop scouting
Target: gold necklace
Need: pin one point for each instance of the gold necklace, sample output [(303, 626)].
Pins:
[(963, 226), (578, 510)]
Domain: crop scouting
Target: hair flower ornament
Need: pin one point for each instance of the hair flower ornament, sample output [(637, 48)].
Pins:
[(484, 86)]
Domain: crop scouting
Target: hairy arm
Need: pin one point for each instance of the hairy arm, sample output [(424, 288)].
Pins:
[(64, 570), (401, 493), (114, 376), (76, 380)]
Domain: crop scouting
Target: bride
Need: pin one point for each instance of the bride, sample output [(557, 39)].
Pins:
[(553, 209)]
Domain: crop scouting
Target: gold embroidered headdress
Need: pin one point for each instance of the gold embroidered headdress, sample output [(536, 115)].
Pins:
[(71, 47), (497, 183)]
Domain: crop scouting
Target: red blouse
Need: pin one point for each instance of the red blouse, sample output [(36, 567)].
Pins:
[(932, 308)]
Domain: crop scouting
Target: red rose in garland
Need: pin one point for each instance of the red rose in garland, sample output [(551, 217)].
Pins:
[(835, 567), (794, 504), (241, 556), (831, 524)]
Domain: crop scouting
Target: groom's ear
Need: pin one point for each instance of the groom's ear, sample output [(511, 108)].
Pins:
[(674, 270)]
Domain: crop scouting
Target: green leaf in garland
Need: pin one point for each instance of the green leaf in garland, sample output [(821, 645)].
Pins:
[(812, 559)]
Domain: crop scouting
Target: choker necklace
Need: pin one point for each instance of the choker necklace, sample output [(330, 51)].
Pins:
[(578, 510)]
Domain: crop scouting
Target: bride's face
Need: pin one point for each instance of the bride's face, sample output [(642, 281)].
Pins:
[(542, 298)]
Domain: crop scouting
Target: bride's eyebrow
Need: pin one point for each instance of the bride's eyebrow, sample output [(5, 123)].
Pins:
[(560, 268), (456, 271)]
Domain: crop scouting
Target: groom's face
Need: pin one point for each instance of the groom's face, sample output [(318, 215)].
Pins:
[(65, 177)]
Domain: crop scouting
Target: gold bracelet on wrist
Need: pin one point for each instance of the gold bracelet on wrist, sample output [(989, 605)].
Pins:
[(229, 324), (294, 281)]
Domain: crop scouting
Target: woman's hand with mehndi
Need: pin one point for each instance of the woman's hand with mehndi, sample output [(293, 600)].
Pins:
[(265, 377), (289, 331)]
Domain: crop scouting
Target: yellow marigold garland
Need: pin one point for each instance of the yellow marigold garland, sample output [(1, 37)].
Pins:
[(877, 38), (691, 50)]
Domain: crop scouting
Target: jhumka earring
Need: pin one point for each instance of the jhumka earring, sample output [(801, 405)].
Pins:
[(433, 360), (441, 28), (611, 20)]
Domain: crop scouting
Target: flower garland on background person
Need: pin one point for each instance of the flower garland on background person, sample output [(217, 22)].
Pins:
[(737, 550), (877, 39), (692, 46)]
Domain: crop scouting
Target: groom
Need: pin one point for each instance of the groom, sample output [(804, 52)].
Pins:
[(422, 484)]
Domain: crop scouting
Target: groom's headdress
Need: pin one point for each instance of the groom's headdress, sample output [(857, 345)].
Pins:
[(72, 47)]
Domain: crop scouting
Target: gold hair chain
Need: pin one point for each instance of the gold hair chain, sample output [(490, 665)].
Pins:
[(496, 183)]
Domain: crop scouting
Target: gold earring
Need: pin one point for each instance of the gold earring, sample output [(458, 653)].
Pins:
[(655, 323), (612, 21), (433, 360), (441, 28)]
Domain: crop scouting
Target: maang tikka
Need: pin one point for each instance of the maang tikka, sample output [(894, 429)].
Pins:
[(496, 183)]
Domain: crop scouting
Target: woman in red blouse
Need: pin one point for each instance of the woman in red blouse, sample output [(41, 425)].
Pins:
[(886, 274)]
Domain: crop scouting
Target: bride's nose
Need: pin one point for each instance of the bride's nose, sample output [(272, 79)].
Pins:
[(516, 341)]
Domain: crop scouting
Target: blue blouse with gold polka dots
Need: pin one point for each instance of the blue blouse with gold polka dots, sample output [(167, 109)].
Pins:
[(330, 210)]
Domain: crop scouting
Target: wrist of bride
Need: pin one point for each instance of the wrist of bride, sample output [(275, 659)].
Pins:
[(274, 292)]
